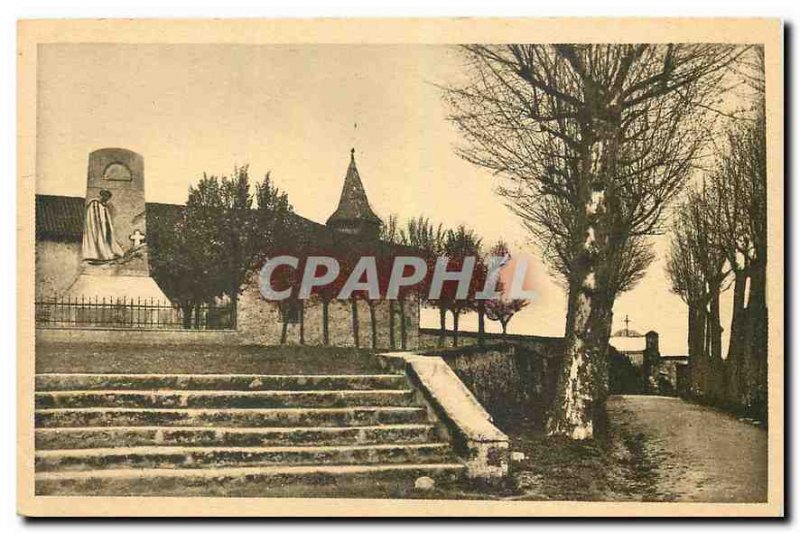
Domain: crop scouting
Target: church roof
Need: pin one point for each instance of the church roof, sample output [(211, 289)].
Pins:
[(353, 203), (626, 333)]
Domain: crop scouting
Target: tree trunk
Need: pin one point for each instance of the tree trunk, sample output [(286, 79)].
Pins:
[(197, 309), (186, 318), (373, 323), (455, 326), (716, 368), (504, 325), (285, 326), (697, 357), (442, 326), (354, 309), (481, 324), (391, 325), (402, 303), (736, 343), (580, 398), (325, 337), (581, 391), (302, 322), (758, 341)]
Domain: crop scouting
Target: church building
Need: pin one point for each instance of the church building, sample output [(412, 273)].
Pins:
[(65, 273)]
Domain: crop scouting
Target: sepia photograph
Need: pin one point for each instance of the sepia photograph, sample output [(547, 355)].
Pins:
[(441, 267)]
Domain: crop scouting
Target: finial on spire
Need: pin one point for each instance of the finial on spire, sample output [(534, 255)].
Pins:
[(352, 153)]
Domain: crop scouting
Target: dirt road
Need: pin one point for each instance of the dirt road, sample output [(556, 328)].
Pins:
[(698, 454)]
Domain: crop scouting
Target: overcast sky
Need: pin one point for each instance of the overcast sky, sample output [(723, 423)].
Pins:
[(297, 111)]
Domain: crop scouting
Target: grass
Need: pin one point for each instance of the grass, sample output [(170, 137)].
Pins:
[(154, 359), (611, 468)]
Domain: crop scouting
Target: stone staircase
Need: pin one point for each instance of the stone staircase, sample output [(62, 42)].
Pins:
[(234, 435)]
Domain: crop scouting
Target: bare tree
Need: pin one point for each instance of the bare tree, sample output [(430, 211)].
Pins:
[(594, 141), (697, 268), (503, 308), (739, 178), (421, 234), (726, 220), (460, 244)]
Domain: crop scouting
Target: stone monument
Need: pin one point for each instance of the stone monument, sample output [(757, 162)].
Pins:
[(114, 261)]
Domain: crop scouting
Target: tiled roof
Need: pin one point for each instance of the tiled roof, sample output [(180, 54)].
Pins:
[(59, 217), (353, 203)]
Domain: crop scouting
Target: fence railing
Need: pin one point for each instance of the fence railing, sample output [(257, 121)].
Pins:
[(131, 313)]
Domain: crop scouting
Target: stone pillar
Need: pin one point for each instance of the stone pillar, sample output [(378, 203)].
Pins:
[(651, 365), (121, 172)]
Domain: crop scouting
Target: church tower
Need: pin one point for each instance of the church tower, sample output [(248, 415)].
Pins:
[(354, 215)]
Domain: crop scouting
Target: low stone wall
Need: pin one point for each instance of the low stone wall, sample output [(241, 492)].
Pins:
[(429, 339), (512, 380)]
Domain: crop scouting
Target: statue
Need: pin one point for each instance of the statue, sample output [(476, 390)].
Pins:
[(99, 240)]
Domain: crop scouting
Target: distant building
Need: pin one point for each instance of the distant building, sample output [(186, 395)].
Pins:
[(642, 352)]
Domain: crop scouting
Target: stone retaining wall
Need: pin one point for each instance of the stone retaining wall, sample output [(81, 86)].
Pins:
[(513, 381)]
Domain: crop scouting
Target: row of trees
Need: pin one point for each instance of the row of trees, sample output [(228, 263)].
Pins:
[(456, 244), (594, 141), (720, 240)]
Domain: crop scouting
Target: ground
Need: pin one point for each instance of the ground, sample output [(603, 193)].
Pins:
[(656, 449), (696, 453)]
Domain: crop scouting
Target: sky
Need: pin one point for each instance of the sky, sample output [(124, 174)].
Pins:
[(296, 111)]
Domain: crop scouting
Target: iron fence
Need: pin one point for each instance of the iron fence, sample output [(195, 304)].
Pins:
[(130, 313)]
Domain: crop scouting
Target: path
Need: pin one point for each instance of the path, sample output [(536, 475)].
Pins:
[(699, 454)]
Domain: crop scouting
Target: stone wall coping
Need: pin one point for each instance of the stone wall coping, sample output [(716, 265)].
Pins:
[(455, 400)]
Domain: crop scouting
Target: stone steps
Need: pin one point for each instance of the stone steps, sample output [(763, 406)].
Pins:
[(250, 456), (269, 481), (100, 437), (298, 416), (214, 434), (195, 399), (227, 382)]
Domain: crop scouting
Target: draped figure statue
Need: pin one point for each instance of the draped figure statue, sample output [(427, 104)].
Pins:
[(99, 241)]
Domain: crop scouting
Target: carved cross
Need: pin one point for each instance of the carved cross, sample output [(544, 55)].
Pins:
[(137, 237)]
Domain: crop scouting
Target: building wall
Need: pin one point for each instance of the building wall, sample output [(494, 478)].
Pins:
[(57, 267), (260, 322)]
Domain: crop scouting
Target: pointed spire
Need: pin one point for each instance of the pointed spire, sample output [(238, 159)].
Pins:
[(354, 214)]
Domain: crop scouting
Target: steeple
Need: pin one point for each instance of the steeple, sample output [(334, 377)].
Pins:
[(354, 215)]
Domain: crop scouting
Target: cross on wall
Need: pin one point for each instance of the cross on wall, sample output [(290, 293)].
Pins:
[(137, 237)]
